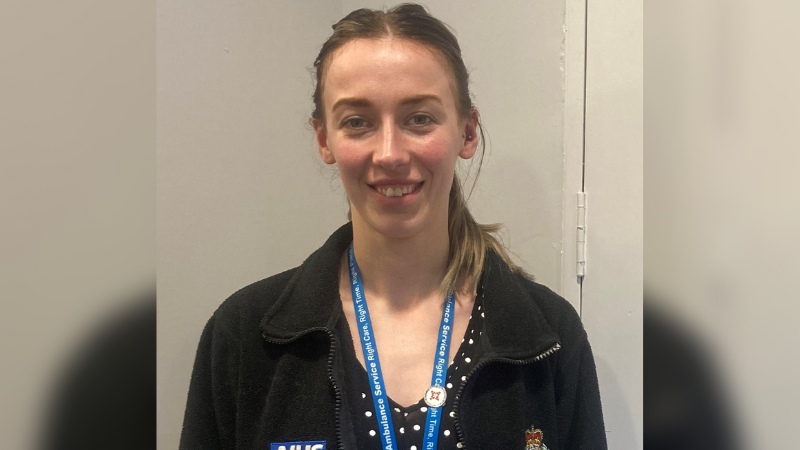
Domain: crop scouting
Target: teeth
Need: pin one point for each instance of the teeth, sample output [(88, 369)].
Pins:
[(396, 191)]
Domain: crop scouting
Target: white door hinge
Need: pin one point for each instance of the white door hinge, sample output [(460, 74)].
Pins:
[(581, 241)]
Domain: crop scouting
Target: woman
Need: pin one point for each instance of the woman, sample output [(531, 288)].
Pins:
[(352, 349)]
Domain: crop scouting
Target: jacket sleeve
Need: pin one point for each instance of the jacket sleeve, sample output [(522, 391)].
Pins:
[(209, 421), (580, 415)]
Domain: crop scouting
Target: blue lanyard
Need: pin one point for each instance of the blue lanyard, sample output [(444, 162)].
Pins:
[(434, 397)]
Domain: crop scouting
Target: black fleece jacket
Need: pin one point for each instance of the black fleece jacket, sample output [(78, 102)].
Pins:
[(269, 369)]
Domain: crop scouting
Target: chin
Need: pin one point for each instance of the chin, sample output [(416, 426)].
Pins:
[(394, 227)]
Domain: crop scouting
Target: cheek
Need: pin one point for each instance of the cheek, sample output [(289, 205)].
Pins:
[(351, 161), (438, 154)]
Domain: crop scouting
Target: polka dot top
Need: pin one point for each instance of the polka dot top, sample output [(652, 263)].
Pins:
[(409, 421)]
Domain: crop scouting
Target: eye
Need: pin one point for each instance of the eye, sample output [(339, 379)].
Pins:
[(421, 119), (354, 123)]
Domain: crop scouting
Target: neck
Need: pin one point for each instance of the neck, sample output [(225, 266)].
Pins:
[(403, 272)]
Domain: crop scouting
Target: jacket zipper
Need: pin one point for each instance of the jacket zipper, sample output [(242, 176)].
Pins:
[(331, 353), (517, 362), (338, 394)]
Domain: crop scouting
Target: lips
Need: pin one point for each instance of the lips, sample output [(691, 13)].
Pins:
[(396, 189)]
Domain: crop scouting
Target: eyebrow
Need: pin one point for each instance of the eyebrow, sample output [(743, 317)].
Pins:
[(363, 102)]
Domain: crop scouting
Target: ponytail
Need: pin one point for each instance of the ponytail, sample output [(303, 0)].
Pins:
[(469, 242)]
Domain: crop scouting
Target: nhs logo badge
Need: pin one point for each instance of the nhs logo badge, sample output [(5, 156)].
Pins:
[(299, 445)]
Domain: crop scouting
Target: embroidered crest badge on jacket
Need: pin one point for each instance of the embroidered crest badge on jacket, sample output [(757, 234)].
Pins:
[(533, 439)]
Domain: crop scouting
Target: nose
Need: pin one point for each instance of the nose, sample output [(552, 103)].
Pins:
[(390, 152)]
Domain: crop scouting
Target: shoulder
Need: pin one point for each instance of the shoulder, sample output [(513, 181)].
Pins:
[(559, 313), (246, 307), (535, 301)]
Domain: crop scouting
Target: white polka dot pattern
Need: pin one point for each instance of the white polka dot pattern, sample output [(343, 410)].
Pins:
[(415, 416)]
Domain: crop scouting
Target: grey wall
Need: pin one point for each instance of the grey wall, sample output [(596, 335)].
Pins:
[(241, 194)]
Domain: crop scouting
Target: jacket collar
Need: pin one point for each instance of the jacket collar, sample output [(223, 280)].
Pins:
[(514, 325)]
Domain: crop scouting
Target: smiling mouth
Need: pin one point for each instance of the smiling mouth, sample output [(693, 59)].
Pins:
[(397, 190)]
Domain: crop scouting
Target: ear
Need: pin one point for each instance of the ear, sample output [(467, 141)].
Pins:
[(322, 142), (470, 135)]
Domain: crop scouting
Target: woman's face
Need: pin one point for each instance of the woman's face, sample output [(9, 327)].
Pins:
[(392, 128)]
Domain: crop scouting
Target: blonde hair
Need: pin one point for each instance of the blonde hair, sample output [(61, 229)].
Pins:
[(469, 240)]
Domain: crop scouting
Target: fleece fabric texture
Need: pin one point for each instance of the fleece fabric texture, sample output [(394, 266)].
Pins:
[(269, 368)]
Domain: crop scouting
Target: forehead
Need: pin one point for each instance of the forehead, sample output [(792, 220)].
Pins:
[(385, 71)]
